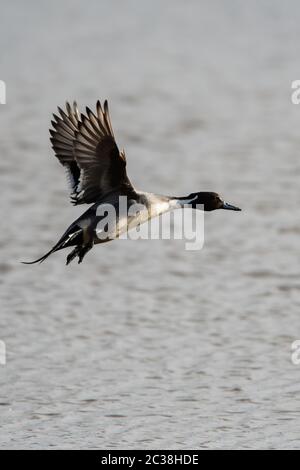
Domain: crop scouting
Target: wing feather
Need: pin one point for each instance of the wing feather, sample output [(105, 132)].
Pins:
[(103, 167), (62, 138), (86, 147)]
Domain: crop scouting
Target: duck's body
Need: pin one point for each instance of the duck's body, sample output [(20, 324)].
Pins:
[(96, 171)]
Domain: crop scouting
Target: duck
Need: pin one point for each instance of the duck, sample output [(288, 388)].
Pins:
[(85, 146)]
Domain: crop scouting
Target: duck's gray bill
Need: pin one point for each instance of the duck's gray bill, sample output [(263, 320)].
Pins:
[(230, 207)]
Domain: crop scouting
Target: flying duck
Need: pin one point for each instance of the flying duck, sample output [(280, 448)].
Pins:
[(96, 170)]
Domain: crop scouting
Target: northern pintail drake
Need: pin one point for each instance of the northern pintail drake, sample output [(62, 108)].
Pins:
[(85, 145)]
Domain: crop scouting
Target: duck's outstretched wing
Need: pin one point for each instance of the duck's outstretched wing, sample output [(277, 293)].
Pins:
[(86, 146), (62, 138), (102, 166)]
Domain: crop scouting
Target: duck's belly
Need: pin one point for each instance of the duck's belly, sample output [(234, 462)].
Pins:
[(138, 214)]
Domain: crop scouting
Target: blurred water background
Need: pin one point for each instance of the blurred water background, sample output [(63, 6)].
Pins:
[(146, 345)]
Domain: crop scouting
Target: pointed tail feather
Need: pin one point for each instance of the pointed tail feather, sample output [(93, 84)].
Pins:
[(69, 238), (42, 258)]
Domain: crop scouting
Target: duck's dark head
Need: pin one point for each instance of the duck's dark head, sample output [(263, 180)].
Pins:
[(210, 201)]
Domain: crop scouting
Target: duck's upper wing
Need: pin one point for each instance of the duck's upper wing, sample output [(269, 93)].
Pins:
[(87, 147)]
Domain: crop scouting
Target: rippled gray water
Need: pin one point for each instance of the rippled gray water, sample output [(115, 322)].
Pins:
[(146, 345)]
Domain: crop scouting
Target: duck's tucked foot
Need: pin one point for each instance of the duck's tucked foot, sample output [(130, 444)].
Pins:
[(83, 251), (80, 251), (73, 254)]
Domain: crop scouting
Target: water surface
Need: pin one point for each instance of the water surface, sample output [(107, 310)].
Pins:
[(146, 345)]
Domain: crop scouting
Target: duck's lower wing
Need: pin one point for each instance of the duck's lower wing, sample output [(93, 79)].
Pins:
[(62, 138)]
